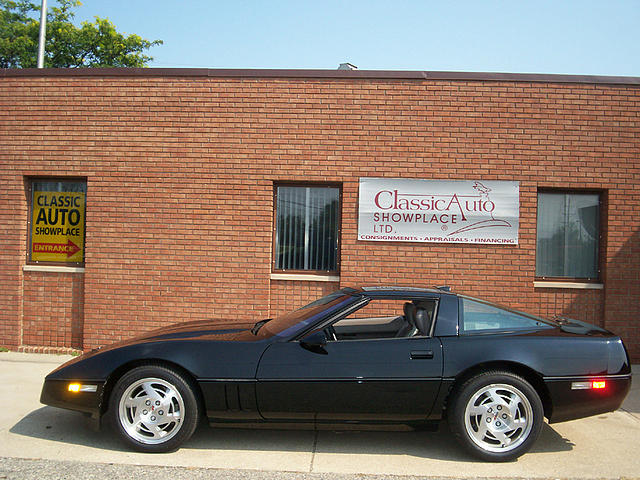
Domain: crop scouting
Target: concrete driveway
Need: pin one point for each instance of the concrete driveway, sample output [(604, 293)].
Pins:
[(605, 446)]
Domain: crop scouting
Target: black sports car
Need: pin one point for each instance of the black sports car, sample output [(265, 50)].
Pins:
[(373, 355)]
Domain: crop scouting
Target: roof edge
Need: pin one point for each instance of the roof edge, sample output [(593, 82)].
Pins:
[(333, 74)]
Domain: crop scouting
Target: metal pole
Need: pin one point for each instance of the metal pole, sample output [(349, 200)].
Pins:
[(43, 33)]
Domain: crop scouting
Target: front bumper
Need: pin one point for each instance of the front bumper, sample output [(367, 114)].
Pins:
[(56, 393), (570, 404)]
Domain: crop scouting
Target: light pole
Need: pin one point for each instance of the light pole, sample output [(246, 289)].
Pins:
[(43, 33)]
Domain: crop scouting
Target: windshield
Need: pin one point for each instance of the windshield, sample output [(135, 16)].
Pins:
[(290, 322)]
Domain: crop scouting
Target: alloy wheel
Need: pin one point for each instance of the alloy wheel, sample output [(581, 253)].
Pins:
[(498, 418), (151, 411)]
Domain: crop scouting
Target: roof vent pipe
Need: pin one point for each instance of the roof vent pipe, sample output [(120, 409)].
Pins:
[(347, 66)]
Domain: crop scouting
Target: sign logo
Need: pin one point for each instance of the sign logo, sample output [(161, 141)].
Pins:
[(407, 210), (57, 227)]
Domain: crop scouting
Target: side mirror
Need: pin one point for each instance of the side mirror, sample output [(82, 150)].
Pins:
[(315, 342)]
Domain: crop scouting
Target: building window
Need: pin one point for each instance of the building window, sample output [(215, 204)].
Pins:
[(568, 235), (57, 220), (307, 228)]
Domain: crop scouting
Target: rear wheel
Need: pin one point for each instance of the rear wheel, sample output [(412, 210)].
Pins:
[(497, 416), (154, 409)]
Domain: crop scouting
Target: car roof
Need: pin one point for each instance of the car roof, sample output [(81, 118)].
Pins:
[(381, 290)]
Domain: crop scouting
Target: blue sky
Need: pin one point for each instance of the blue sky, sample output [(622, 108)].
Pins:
[(573, 37)]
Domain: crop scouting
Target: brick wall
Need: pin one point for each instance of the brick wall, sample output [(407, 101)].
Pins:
[(53, 309), (287, 295), (180, 173)]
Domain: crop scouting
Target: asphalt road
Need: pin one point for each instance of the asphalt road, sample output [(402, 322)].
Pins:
[(42, 442), (24, 469)]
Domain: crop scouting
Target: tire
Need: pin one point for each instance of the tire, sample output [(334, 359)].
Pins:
[(153, 409), (497, 416)]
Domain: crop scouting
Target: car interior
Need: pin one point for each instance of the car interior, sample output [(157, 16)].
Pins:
[(415, 318)]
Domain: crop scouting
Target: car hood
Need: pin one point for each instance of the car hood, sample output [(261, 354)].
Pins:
[(227, 328), (224, 331), (211, 330)]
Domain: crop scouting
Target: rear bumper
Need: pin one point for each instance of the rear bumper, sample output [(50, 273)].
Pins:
[(570, 404), (56, 394)]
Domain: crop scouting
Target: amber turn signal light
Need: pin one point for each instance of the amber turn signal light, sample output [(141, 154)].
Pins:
[(76, 387)]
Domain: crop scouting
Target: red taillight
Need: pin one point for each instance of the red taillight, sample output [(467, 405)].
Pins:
[(598, 384)]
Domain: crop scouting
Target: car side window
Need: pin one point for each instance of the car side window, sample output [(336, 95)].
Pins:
[(479, 316), (387, 318)]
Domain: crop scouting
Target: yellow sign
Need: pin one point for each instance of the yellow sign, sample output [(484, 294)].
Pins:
[(57, 227)]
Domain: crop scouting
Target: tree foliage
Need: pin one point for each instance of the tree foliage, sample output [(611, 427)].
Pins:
[(95, 44)]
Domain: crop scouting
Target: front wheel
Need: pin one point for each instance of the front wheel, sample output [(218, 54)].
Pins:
[(497, 416), (154, 409)]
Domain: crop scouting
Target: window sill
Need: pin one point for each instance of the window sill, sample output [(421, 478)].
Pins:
[(52, 268), (304, 277), (575, 285)]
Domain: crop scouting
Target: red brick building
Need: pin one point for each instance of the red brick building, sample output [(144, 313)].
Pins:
[(172, 180)]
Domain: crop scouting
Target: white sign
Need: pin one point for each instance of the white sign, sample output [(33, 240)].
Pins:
[(451, 211)]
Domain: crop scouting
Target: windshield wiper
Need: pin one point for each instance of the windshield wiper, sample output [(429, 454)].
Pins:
[(259, 324), (560, 320)]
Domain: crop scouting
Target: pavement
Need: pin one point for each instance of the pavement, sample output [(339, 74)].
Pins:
[(36, 439)]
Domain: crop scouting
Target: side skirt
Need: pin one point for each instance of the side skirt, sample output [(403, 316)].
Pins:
[(341, 427)]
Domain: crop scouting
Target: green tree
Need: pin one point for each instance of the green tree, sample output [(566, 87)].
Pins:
[(96, 44)]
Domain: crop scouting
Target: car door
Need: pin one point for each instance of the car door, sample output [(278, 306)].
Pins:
[(368, 379)]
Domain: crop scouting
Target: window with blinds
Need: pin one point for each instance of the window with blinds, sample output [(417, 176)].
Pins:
[(307, 228), (568, 234)]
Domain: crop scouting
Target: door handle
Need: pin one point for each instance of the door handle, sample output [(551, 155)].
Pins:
[(421, 354)]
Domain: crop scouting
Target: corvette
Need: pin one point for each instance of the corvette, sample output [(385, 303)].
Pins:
[(369, 356)]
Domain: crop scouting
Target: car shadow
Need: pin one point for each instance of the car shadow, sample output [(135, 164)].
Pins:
[(58, 425), (68, 427), (551, 441)]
